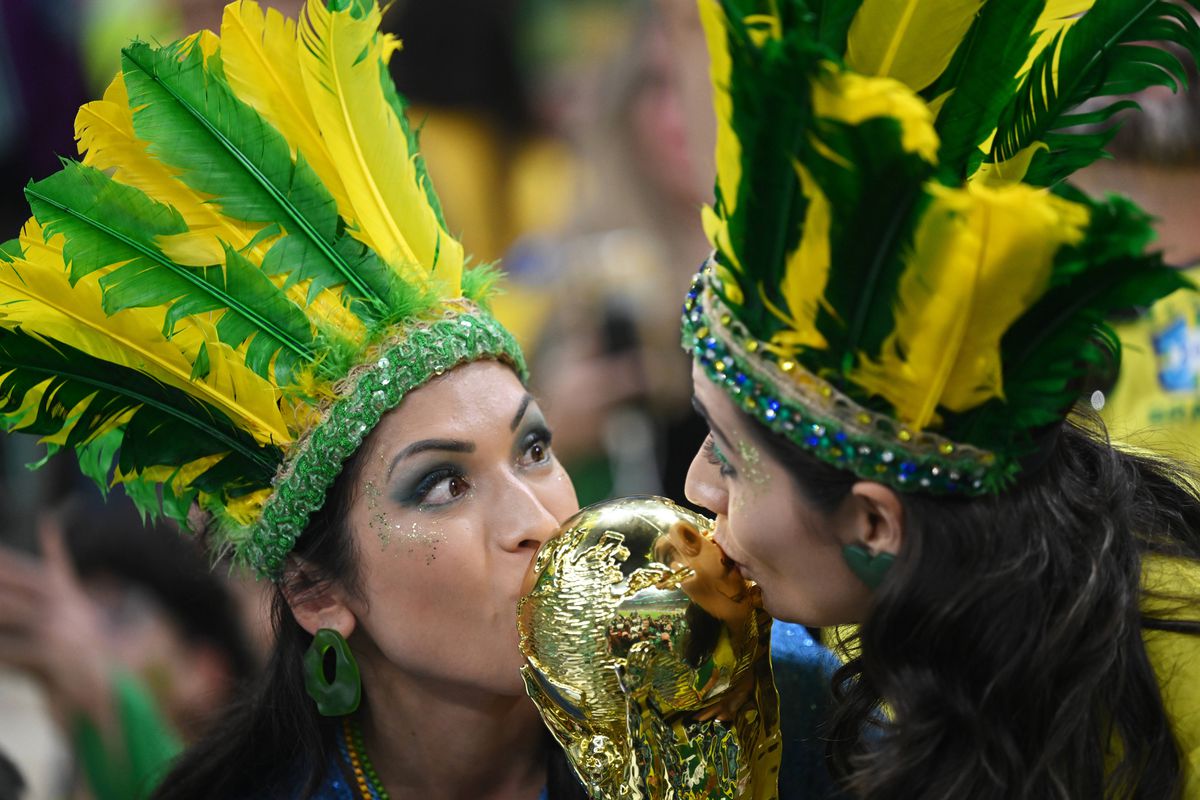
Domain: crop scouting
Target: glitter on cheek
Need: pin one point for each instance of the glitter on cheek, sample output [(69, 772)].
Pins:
[(752, 468), (413, 536), (372, 493), (423, 538)]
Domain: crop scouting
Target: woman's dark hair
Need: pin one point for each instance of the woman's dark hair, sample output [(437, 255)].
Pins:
[(1003, 657), (273, 737)]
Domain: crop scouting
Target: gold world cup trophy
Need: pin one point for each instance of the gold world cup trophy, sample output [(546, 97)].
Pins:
[(649, 657)]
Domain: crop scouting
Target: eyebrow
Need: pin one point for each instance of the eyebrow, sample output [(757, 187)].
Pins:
[(525, 401), (712, 426), (425, 445)]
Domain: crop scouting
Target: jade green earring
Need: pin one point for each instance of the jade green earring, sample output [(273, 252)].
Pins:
[(340, 696), (870, 569)]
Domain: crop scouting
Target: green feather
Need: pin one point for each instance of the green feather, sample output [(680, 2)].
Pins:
[(763, 228), (108, 223), (1103, 54), (981, 78), (11, 250), (168, 427), (96, 458), (192, 121), (103, 222), (875, 203), (833, 18)]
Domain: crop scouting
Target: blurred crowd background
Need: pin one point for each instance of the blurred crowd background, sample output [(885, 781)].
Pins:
[(570, 140)]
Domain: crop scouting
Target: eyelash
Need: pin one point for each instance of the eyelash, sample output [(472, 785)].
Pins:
[(539, 436), (431, 481), (714, 456), (420, 493)]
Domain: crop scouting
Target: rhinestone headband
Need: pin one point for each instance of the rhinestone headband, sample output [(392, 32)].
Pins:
[(810, 412)]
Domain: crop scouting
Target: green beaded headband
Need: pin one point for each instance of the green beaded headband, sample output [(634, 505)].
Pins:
[(809, 412), (421, 352)]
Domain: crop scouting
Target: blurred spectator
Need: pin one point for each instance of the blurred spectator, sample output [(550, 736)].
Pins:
[(608, 233), (500, 168), (608, 364), (109, 25), (1156, 402), (134, 641)]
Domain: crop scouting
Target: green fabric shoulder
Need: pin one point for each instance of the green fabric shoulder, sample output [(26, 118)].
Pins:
[(148, 742)]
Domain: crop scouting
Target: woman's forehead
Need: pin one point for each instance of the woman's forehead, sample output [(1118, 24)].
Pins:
[(475, 400)]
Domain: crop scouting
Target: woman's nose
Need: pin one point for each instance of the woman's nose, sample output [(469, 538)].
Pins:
[(528, 520), (704, 486)]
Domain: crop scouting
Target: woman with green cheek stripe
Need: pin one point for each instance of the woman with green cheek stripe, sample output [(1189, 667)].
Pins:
[(904, 302)]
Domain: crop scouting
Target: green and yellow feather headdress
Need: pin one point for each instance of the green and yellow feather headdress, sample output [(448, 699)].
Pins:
[(245, 271), (903, 284)]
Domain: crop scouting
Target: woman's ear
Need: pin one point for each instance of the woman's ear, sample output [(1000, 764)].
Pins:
[(316, 603), (879, 518), (686, 539)]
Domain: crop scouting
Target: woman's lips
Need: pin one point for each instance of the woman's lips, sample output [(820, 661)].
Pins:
[(729, 560), (745, 572)]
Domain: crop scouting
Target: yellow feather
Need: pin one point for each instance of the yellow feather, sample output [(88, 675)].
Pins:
[(261, 63), (247, 508), (717, 231), (1056, 17), (729, 149), (852, 98), (807, 271), (341, 62), (911, 41), (1013, 170), (178, 477), (981, 257), (39, 297)]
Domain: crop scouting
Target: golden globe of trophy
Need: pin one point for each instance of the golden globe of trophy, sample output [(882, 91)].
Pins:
[(648, 657)]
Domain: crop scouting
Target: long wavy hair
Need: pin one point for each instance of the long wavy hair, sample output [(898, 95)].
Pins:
[(1003, 656)]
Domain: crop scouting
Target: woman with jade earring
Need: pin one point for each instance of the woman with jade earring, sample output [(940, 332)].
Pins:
[(243, 304), (905, 300), (247, 305)]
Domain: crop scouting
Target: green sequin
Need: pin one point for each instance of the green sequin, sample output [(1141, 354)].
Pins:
[(426, 350)]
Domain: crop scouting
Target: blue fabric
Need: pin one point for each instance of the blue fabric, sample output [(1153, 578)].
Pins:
[(803, 669), (803, 673)]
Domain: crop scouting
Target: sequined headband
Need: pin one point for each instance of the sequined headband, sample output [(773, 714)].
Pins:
[(422, 351), (814, 415)]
